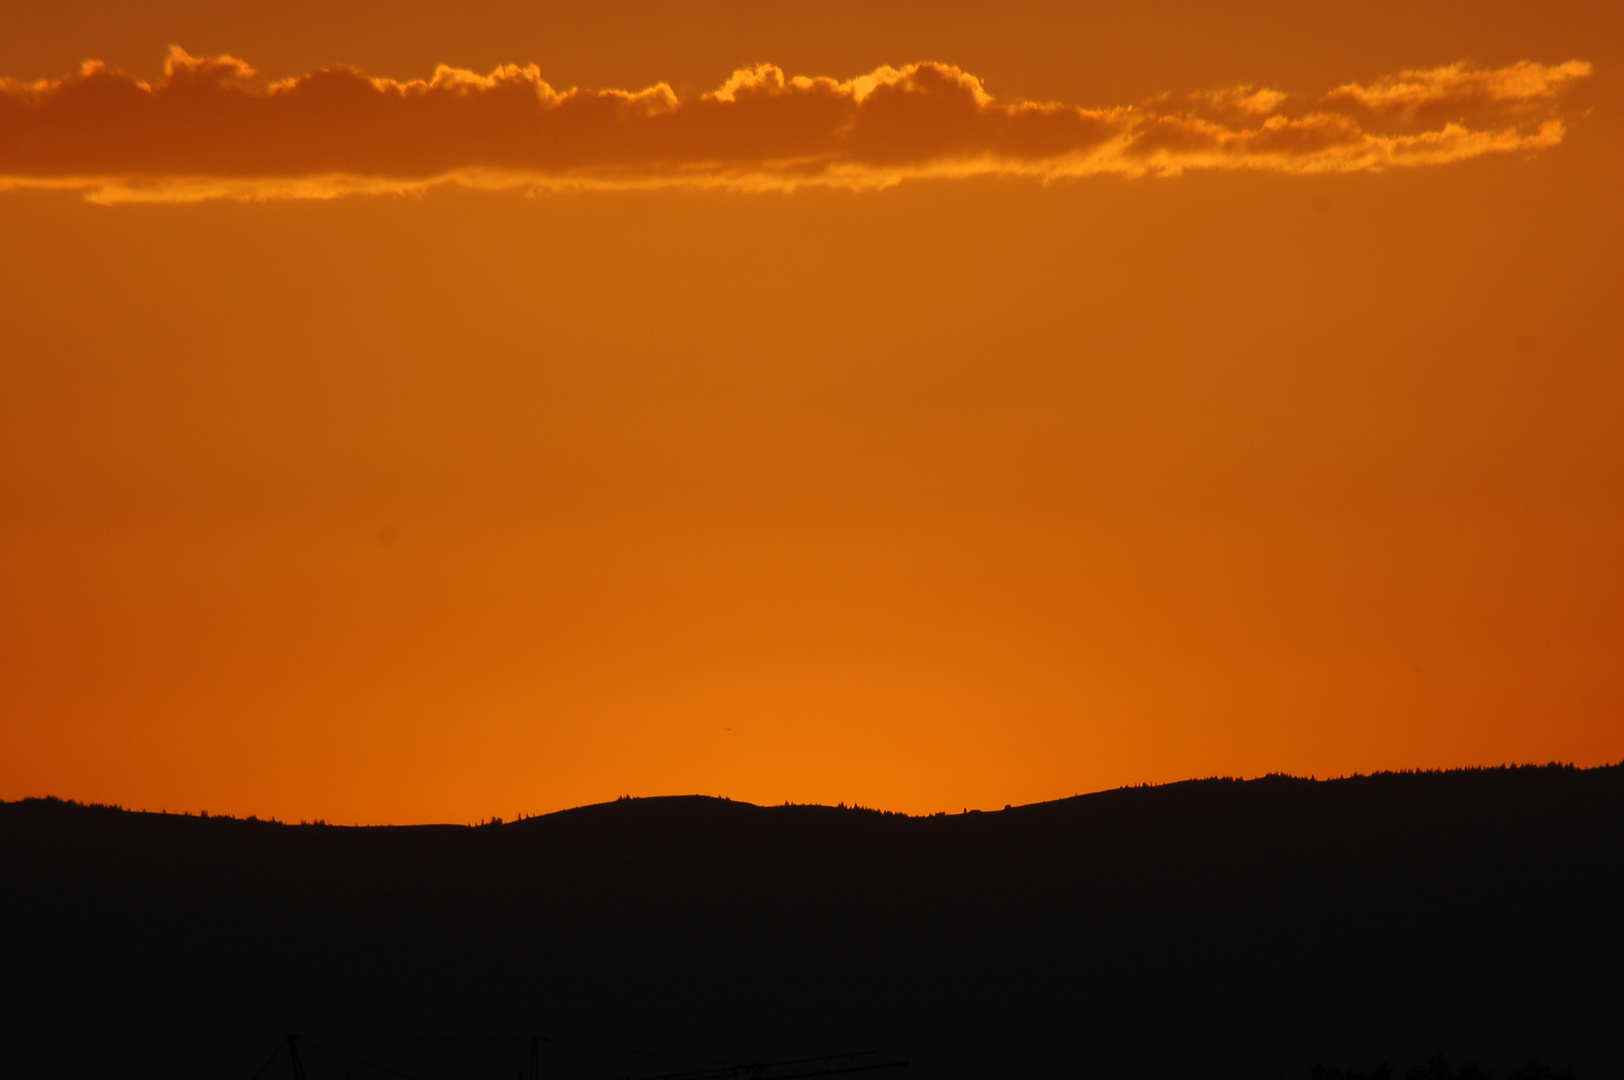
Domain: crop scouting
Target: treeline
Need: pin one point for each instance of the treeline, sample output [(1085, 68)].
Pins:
[(1233, 930), (116, 808)]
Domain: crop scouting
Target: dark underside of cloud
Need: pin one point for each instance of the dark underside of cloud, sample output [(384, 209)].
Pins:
[(213, 127)]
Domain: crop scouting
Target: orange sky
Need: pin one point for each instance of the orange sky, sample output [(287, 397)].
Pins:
[(900, 456)]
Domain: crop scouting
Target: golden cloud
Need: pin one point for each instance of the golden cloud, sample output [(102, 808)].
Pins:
[(213, 127)]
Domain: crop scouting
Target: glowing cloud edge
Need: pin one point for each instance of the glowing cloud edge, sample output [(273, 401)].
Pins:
[(212, 129)]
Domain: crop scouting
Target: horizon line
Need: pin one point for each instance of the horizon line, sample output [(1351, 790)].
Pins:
[(843, 806)]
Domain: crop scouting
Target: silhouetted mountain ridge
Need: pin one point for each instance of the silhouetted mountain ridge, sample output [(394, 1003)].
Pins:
[(1214, 928)]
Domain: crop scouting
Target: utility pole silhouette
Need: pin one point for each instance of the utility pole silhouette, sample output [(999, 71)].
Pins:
[(293, 1053)]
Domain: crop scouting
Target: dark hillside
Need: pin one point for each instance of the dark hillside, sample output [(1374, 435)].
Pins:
[(1212, 928)]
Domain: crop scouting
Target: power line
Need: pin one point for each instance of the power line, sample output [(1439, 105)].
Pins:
[(777, 1070), (361, 1061), (628, 1051)]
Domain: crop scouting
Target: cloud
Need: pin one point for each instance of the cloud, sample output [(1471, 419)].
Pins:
[(1458, 93), (213, 127)]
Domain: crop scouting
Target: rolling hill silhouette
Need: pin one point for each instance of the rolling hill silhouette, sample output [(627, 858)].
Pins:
[(1212, 928)]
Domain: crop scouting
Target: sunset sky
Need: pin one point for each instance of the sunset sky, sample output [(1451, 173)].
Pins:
[(420, 411)]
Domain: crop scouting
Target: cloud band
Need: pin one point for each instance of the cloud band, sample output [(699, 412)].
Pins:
[(213, 127)]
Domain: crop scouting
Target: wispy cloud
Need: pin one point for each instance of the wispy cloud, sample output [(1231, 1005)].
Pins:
[(213, 127)]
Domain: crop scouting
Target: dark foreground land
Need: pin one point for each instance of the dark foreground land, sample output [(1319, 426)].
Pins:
[(1206, 929)]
